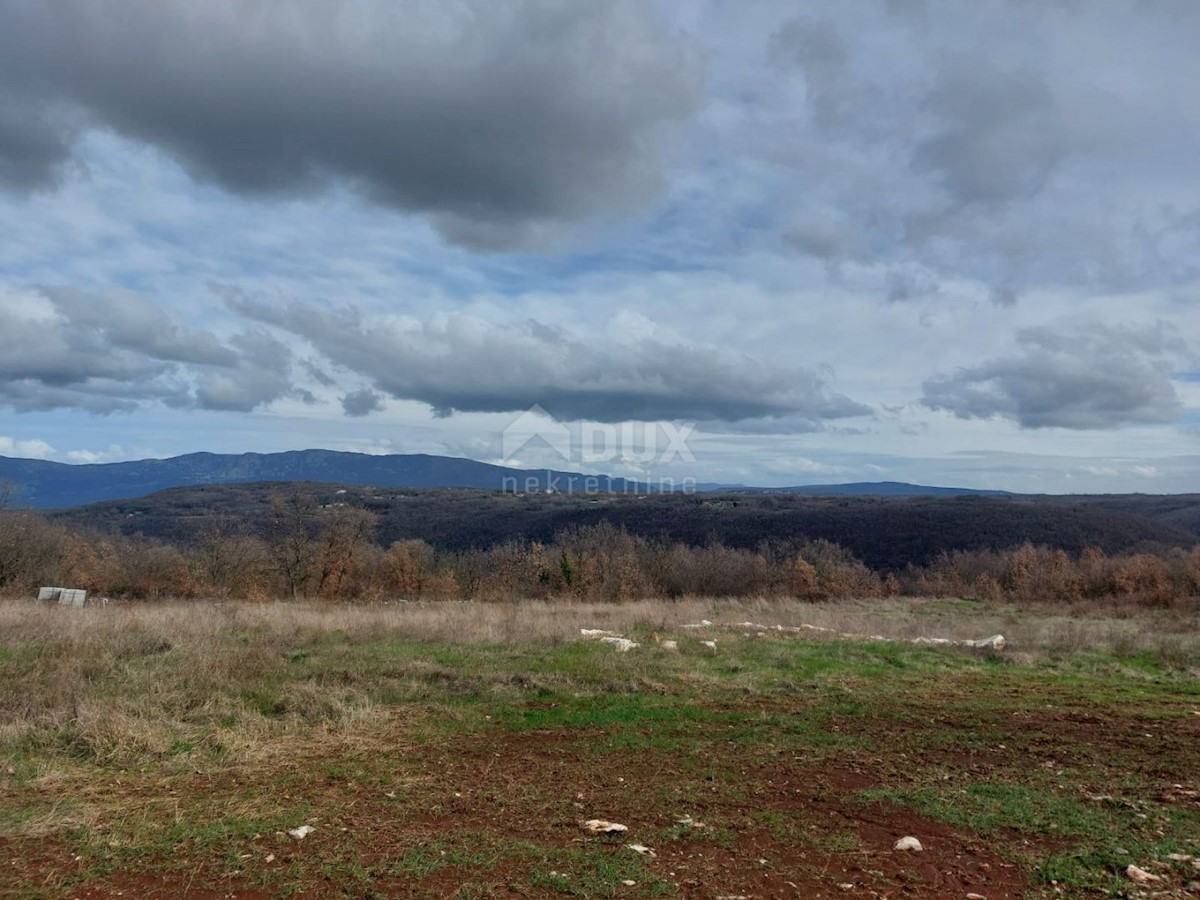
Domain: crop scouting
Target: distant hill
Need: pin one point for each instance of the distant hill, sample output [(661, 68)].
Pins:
[(885, 532), (459, 503), (52, 485), (887, 489)]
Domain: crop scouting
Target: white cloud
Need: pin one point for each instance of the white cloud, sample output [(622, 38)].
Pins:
[(30, 448)]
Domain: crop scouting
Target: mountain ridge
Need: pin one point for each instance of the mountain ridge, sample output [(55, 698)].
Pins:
[(53, 485), (47, 484)]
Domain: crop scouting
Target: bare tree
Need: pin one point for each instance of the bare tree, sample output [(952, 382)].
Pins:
[(11, 545), (226, 558), (31, 548), (345, 538), (292, 527)]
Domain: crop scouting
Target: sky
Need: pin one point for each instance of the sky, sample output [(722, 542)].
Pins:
[(864, 240)]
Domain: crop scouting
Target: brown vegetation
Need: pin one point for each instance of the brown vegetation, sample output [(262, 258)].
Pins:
[(329, 552)]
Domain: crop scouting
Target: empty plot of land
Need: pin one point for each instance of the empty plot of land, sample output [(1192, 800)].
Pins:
[(454, 750)]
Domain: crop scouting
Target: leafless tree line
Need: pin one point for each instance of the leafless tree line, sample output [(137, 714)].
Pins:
[(310, 551)]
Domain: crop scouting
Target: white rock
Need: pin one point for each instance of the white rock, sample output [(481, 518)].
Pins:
[(1141, 876), (670, 645), (622, 645), (908, 843), (711, 645), (302, 832), (640, 848), (597, 633), (600, 826), (995, 642), (629, 882)]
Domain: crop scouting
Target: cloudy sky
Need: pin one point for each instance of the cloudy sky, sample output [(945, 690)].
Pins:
[(945, 242)]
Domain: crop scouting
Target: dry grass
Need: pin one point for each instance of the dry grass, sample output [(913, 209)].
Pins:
[(134, 681), (72, 642), (140, 627)]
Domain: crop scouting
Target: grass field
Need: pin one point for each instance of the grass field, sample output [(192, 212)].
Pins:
[(451, 750)]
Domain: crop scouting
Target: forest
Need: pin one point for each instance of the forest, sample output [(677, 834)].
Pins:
[(304, 541)]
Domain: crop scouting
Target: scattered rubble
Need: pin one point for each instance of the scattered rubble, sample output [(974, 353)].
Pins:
[(619, 642), (995, 642), (1178, 793), (1141, 876), (600, 826), (622, 645)]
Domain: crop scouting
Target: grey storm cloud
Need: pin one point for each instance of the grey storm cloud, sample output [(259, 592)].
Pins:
[(260, 373), (362, 402), (908, 283), (998, 135), (33, 147), (459, 363), (111, 353), (1022, 145), (133, 323), (1091, 377), (816, 46), (504, 123)]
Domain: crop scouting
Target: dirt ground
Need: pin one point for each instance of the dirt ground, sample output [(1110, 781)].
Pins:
[(496, 789)]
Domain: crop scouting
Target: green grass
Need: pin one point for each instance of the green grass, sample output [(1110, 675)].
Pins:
[(991, 806), (1103, 836), (597, 871), (432, 856)]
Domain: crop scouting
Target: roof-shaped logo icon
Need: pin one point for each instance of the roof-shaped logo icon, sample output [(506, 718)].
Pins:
[(535, 426)]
